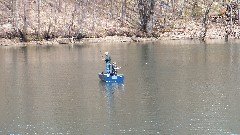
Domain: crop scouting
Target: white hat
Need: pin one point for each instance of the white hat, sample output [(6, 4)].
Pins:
[(106, 53)]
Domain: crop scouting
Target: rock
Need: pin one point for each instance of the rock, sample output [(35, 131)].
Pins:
[(135, 39), (64, 41)]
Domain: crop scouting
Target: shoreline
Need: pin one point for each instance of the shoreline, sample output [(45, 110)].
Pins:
[(107, 39), (67, 41)]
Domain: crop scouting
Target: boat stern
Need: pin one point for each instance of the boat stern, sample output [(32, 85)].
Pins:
[(111, 78)]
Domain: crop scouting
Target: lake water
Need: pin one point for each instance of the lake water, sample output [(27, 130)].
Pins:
[(175, 88)]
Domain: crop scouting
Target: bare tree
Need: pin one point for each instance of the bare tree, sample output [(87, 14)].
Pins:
[(79, 16), (23, 33), (56, 10), (16, 15), (238, 2), (59, 7), (146, 10), (13, 16), (71, 25), (123, 15), (205, 17), (228, 21), (173, 5), (111, 9), (195, 4), (39, 18), (94, 14)]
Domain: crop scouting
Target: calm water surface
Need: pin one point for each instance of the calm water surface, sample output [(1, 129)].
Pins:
[(180, 88)]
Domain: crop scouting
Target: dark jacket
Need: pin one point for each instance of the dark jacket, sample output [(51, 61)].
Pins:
[(108, 59)]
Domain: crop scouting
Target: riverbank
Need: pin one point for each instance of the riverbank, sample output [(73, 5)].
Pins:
[(100, 21), (7, 42), (113, 39), (189, 33), (62, 41)]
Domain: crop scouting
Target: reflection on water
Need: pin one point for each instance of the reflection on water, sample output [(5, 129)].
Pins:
[(111, 89), (112, 93), (184, 88)]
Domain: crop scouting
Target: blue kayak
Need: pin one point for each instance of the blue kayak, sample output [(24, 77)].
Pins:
[(117, 78)]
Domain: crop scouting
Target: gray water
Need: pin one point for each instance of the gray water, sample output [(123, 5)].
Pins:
[(177, 88)]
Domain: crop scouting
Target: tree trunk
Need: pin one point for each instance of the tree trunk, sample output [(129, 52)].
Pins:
[(173, 6), (39, 19), (111, 10), (24, 32), (123, 17), (145, 9), (16, 15), (205, 17), (239, 14), (94, 14), (238, 3), (79, 18), (56, 10), (228, 27), (59, 6), (71, 27), (84, 9), (194, 14), (13, 16)]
